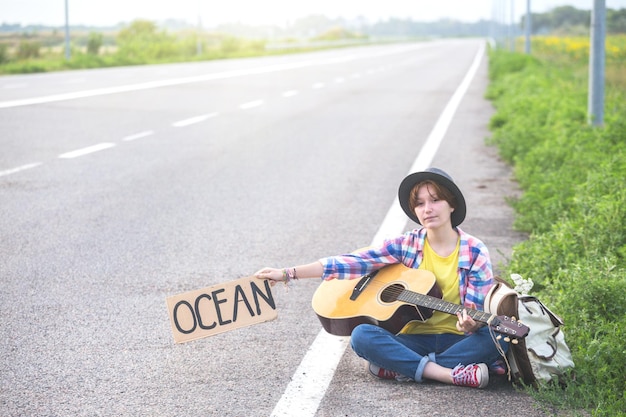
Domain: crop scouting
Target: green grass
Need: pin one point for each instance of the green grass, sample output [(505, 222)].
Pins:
[(573, 207)]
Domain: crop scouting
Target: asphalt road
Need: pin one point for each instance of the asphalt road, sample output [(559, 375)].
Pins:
[(120, 187)]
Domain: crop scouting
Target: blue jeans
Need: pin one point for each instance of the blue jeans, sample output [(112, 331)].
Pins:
[(408, 354)]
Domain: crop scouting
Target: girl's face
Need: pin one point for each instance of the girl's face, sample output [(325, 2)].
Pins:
[(432, 211)]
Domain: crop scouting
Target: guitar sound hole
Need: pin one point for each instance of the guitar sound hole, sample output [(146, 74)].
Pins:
[(391, 293)]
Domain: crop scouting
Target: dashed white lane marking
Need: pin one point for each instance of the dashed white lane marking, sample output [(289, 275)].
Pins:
[(138, 135), (251, 104), (193, 120), (75, 81), (87, 150), (310, 381), (180, 123), (18, 169)]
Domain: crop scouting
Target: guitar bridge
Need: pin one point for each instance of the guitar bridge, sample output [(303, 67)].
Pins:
[(360, 286)]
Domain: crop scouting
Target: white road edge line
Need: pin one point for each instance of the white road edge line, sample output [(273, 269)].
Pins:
[(18, 169), (138, 135), (310, 381), (193, 120), (87, 150)]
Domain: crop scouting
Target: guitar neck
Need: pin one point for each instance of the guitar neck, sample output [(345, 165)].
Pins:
[(438, 304)]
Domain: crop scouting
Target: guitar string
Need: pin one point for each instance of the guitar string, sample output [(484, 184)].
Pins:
[(396, 288)]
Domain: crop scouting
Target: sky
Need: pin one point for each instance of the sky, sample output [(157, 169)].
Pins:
[(280, 12)]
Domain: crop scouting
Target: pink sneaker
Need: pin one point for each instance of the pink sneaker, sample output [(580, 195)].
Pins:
[(473, 375), (381, 373)]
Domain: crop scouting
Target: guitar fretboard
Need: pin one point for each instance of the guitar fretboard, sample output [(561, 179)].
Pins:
[(438, 304)]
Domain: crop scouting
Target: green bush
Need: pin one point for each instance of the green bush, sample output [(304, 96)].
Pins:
[(143, 42), (509, 63), (28, 49), (4, 53), (94, 43), (573, 206)]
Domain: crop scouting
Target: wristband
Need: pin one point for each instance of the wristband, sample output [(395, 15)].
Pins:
[(289, 274)]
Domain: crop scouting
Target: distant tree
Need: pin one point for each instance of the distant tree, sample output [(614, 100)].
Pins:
[(94, 43), (616, 21), (337, 33), (10, 27), (558, 19), (142, 41), (569, 16)]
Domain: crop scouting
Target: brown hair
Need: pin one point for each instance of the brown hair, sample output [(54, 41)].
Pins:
[(439, 190)]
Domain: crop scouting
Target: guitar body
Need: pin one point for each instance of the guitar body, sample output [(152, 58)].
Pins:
[(341, 308)]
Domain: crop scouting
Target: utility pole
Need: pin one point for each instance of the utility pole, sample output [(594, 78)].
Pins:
[(595, 102), (67, 32), (528, 28), (512, 26), (499, 23), (494, 24), (198, 40)]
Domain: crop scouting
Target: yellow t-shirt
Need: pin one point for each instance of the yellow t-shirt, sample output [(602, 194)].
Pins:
[(446, 274)]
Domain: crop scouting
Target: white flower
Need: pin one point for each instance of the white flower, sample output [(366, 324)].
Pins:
[(522, 286)]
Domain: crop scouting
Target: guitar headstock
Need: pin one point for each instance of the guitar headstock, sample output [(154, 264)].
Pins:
[(510, 327)]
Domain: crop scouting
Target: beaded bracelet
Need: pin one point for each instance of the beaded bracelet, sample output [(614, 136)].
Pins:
[(289, 274)]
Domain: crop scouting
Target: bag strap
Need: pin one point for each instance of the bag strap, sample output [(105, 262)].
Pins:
[(557, 321), (497, 293)]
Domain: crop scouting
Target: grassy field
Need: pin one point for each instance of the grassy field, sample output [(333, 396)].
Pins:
[(573, 206)]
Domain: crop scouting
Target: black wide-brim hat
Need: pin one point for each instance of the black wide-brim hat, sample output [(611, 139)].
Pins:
[(440, 177)]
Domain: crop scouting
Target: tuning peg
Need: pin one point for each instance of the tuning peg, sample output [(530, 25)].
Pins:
[(507, 339), (513, 318), (498, 337), (515, 341)]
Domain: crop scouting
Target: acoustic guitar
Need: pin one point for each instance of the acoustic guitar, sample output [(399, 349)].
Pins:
[(391, 298)]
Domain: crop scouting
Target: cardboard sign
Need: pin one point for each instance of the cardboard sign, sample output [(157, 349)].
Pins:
[(220, 308)]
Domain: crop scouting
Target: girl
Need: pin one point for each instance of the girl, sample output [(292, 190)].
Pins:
[(445, 348)]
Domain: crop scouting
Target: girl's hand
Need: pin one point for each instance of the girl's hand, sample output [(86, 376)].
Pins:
[(273, 274), (466, 324)]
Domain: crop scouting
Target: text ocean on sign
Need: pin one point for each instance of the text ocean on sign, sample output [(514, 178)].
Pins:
[(220, 308)]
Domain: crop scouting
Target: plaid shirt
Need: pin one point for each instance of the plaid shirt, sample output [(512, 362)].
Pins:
[(475, 273)]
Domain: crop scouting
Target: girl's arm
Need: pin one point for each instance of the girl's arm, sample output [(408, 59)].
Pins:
[(312, 270)]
